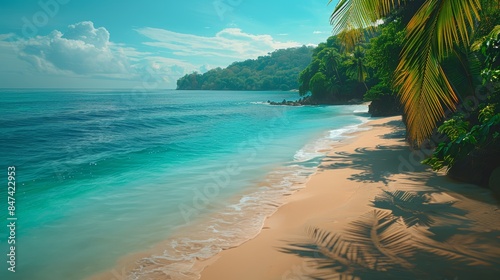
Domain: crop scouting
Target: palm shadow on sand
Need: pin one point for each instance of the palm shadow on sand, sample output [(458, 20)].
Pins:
[(378, 246), (379, 164), (374, 165), (407, 235)]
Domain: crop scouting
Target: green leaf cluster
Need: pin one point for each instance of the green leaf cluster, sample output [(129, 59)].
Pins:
[(334, 74), (491, 50), (383, 56), (480, 131), (365, 70)]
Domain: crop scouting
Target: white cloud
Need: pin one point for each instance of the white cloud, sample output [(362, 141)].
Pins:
[(86, 51), (85, 32), (205, 68), (165, 69), (229, 43), (4, 37), (318, 32), (83, 50)]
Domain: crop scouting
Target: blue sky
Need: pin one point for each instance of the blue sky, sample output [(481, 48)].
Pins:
[(148, 43)]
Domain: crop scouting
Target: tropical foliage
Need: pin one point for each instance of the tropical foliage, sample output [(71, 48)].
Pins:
[(276, 71), (365, 71), (383, 57), (480, 130), (335, 75), (437, 29)]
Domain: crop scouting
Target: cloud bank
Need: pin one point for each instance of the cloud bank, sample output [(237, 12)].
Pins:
[(84, 50), (229, 43)]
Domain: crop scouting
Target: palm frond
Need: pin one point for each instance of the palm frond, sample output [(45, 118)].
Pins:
[(350, 37), (463, 69), (454, 21), (424, 90), (360, 13), (352, 15), (432, 34)]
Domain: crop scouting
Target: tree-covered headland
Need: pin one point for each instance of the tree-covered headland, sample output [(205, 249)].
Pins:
[(275, 71)]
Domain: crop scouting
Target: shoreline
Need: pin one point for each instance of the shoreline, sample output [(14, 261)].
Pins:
[(372, 178), (175, 258)]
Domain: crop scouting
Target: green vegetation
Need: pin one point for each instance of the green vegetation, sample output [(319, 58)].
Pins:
[(436, 31), (334, 75), (478, 132), (338, 74), (327, 74), (383, 55), (276, 71), (442, 47), (436, 72)]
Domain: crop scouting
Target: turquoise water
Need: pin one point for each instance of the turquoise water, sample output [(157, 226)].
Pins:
[(102, 174)]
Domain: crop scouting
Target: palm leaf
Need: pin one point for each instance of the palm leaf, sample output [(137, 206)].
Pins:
[(461, 69), (350, 37), (431, 35), (359, 14), (455, 21), (433, 32), (352, 17)]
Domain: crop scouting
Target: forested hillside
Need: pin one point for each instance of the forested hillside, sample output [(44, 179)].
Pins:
[(338, 74), (277, 71)]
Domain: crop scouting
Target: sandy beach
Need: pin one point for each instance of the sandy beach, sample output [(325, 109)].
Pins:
[(373, 212)]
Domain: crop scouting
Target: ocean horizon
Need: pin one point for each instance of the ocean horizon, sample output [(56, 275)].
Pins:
[(106, 174)]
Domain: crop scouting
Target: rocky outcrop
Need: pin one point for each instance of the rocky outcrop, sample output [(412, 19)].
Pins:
[(310, 101), (478, 168), (494, 182), (385, 106), (287, 103)]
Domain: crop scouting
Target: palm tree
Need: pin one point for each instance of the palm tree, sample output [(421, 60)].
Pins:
[(359, 67), (432, 34), (332, 62)]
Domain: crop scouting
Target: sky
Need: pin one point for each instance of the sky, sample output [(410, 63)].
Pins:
[(146, 44)]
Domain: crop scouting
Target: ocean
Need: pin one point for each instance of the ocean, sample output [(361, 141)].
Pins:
[(102, 175)]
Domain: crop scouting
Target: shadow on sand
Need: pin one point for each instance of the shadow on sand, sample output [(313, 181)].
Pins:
[(409, 234)]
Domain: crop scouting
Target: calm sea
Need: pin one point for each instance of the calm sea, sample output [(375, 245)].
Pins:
[(103, 174)]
